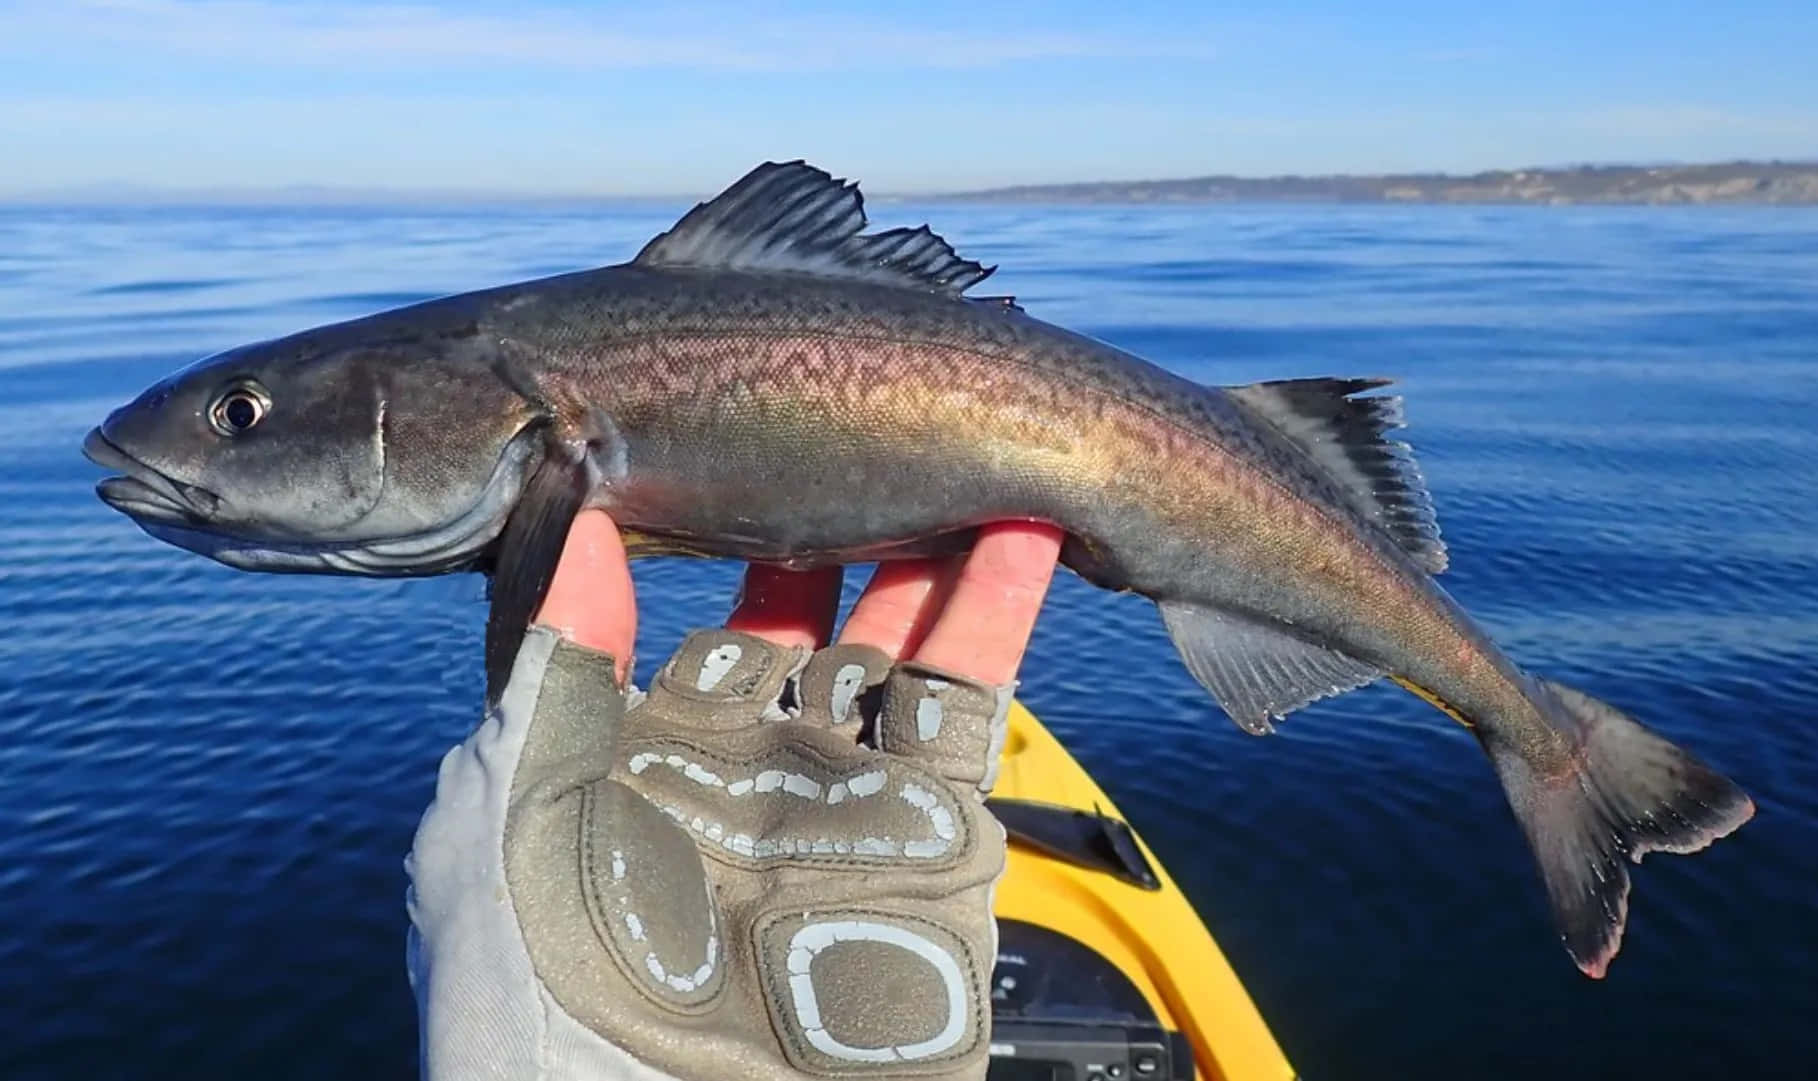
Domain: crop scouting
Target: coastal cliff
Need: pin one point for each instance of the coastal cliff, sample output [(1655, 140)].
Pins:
[(1778, 183)]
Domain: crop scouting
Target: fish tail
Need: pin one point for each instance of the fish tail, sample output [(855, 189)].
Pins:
[(1624, 793)]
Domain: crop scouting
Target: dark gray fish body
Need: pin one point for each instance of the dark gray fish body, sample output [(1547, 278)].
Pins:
[(769, 383)]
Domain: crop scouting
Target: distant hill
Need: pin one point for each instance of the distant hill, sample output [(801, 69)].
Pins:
[(1782, 183)]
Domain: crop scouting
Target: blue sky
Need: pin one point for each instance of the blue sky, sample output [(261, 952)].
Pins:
[(668, 98)]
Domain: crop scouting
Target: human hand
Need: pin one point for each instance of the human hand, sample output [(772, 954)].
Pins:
[(546, 893), (971, 613)]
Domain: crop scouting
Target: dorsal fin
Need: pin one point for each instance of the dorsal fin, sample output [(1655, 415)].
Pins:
[(790, 216), (1348, 437)]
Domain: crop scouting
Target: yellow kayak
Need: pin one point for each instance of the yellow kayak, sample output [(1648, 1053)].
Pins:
[(1105, 972)]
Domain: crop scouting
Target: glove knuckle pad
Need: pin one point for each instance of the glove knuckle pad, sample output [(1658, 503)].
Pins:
[(840, 686), (952, 723), (721, 680)]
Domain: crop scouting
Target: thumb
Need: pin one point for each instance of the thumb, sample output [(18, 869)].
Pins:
[(590, 599)]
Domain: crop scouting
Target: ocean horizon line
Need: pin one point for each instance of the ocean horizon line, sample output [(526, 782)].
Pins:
[(1773, 182)]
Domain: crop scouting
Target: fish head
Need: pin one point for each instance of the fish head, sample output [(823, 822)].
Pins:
[(329, 451)]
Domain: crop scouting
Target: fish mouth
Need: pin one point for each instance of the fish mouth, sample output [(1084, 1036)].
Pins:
[(142, 492), (186, 516)]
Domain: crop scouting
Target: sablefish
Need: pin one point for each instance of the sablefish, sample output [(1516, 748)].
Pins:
[(767, 381)]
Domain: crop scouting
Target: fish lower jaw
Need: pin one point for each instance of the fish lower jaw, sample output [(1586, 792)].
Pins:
[(141, 502), (451, 546), (371, 560), (141, 491)]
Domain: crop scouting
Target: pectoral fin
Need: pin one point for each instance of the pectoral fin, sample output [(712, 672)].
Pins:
[(527, 553), (1258, 672)]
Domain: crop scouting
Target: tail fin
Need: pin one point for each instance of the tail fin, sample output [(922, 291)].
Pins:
[(1629, 793)]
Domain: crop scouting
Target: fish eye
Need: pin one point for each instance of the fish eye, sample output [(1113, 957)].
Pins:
[(239, 408)]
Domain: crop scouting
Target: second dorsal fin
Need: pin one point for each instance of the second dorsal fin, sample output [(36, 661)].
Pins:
[(1348, 438), (791, 216)]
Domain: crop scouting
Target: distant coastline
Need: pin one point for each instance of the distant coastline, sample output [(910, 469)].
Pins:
[(1742, 182), (1728, 183)]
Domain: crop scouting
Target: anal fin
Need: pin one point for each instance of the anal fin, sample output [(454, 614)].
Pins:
[(1258, 672)]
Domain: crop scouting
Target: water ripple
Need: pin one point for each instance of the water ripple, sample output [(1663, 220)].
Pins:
[(211, 777), (168, 286)]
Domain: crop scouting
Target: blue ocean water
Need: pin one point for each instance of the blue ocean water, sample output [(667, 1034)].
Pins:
[(208, 778)]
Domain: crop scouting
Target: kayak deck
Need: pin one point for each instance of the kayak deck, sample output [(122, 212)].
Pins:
[(1152, 935)]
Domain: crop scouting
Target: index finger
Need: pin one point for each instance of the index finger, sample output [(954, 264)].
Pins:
[(984, 629), (787, 607)]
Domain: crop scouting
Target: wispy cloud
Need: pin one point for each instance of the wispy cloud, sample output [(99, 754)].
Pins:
[(745, 37), (1696, 121), (635, 96), (1457, 54)]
